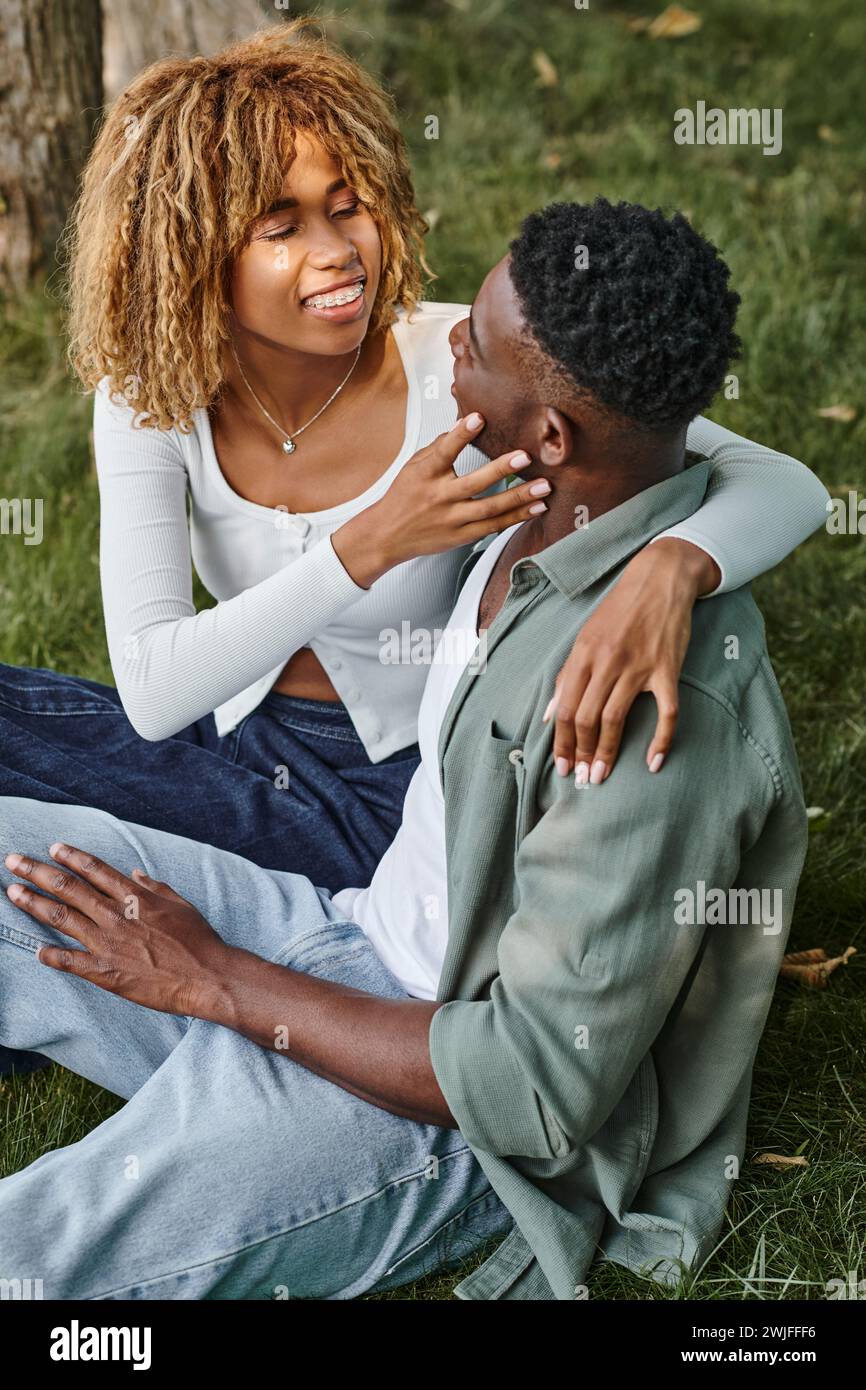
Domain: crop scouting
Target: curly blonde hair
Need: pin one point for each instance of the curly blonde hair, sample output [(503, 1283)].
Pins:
[(190, 155)]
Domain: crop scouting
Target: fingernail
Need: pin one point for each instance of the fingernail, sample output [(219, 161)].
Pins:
[(58, 848), (581, 774), (656, 762), (563, 766), (12, 861), (550, 708), (537, 507), (520, 459), (15, 891), (472, 421), (598, 770), (540, 489)]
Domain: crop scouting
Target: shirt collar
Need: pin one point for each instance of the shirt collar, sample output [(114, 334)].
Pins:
[(576, 561)]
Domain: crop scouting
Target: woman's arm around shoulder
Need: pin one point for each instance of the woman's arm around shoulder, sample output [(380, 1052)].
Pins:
[(759, 506)]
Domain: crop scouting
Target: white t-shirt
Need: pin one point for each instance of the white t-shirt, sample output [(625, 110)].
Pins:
[(404, 911)]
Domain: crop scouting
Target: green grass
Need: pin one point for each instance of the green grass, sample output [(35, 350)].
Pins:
[(791, 230)]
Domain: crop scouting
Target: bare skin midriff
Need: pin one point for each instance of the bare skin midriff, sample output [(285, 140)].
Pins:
[(250, 458), (303, 675)]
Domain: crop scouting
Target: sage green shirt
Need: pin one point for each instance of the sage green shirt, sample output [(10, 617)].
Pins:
[(605, 989)]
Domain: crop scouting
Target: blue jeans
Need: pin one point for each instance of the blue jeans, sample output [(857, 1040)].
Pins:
[(290, 788), (232, 1172)]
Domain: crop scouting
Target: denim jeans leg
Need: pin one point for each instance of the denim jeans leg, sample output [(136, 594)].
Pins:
[(65, 739), (291, 788), (109, 1040), (232, 1171)]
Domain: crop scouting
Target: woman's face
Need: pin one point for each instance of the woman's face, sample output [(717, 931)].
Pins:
[(308, 278)]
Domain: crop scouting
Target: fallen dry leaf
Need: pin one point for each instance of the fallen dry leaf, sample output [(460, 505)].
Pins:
[(547, 74), (780, 1160), (845, 413), (551, 160), (637, 26), (813, 968), (674, 23), (826, 132)]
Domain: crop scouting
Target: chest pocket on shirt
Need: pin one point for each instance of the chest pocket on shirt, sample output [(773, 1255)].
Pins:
[(506, 756), (500, 754), (498, 790), (524, 807)]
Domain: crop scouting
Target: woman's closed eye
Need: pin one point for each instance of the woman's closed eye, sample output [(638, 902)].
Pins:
[(350, 210)]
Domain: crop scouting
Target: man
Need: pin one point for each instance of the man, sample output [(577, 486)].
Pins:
[(302, 1122)]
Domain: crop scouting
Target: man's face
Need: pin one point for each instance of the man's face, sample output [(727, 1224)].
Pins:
[(486, 366)]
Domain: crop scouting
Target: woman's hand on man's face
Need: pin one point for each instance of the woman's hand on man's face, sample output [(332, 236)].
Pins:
[(430, 508), (141, 940)]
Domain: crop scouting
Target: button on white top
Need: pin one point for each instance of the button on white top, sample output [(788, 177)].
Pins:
[(515, 756)]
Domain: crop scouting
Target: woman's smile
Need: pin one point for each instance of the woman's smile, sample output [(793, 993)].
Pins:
[(342, 302), (316, 253)]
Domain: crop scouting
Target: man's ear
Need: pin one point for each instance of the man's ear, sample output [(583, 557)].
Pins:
[(557, 438)]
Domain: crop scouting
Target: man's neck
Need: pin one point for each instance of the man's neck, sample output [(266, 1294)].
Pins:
[(598, 487), (584, 489)]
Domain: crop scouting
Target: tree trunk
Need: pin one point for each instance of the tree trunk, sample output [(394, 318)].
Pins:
[(139, 34), (50, 100)]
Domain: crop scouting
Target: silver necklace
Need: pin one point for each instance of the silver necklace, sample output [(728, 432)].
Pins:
[(289, 446)]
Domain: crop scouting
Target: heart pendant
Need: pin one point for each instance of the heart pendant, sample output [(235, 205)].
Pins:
[(289, 446)]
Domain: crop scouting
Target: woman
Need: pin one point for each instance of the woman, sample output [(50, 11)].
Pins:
[(245, 283)]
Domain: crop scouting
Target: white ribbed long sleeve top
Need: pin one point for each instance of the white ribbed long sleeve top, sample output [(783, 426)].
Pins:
[(280, 585)]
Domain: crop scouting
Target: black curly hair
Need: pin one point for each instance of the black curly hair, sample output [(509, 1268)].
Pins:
[(646, 327)]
